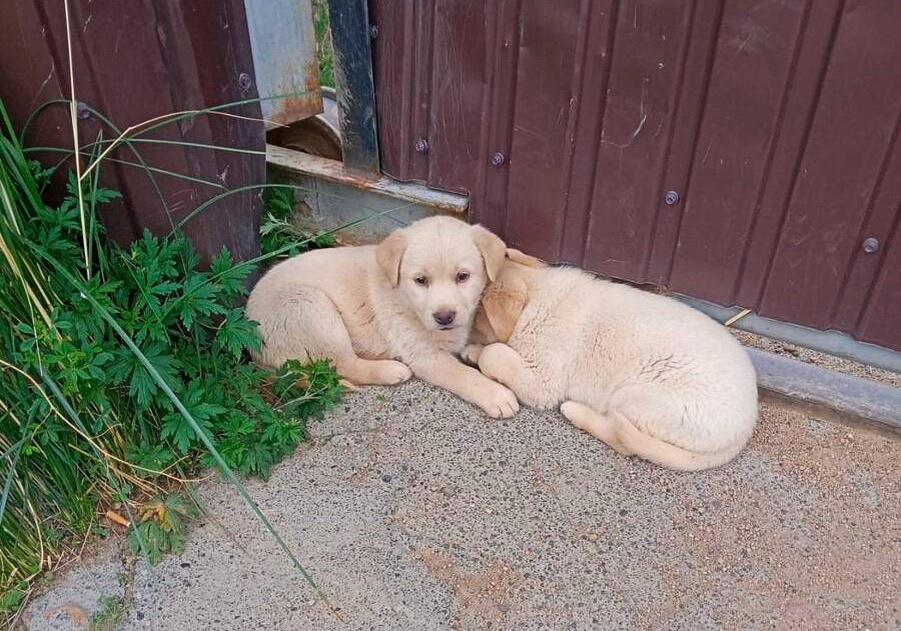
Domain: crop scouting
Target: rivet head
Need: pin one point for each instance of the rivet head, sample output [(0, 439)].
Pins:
[(421, 146), (498, 159), (244, 81), (82, 111), (870, 245), (373, 31), (671, 198)]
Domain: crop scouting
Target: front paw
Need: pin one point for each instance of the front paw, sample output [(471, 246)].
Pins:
[(388, 372), (397, 373), (494, 358), (497, 401), (471, 354)]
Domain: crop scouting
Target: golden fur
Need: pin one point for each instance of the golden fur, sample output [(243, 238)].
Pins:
[(375, 310), (644, 373)]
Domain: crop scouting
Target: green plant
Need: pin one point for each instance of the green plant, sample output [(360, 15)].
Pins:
[(123, 370), (107, 618), (161, 528), (324, 51), (278, 233)]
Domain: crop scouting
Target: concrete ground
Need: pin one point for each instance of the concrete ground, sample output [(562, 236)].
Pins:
[(415, 512)]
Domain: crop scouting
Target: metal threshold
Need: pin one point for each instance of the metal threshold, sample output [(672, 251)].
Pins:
[(831, 342)]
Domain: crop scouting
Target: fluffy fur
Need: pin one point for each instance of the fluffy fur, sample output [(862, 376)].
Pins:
[(643, 373), (382, 313)]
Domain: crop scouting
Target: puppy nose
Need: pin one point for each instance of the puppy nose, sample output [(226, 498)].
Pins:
[(444, 317)]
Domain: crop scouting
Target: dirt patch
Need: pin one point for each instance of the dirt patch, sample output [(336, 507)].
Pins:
[(829, 456), (829, 561), (483, 597)]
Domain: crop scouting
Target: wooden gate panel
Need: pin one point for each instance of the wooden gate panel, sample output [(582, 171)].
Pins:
[(540, 152), (774, 124), (837, 184), (733, 150), (638, 127)]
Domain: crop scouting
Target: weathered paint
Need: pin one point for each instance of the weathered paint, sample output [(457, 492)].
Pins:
[(366, 209), (318, 135), (776, 123), (334, 171), (353, 75), (284, 58), (134, 61)]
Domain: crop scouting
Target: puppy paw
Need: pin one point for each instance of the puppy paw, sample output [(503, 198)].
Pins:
[(575, 413), (393, 372), (498, 401), (471, 354), (494, 358)]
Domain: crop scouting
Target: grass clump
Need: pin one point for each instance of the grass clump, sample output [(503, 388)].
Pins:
[(278, 233), (124, 370), (109, 616), (324, 51)]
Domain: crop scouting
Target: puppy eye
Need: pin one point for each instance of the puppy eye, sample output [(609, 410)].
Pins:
[(422, 281), (462, 277)]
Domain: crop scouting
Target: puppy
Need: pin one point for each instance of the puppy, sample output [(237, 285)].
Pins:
[(384, 312), (643, 373)]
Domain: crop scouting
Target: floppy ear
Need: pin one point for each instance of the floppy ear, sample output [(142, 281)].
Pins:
[(502, 307), (524, 259), (492, 248), (482, 332), (389, 253)]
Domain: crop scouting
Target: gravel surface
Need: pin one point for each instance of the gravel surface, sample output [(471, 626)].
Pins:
[(415, 512)]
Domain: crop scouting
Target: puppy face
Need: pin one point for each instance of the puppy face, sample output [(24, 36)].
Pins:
[(440, 266)]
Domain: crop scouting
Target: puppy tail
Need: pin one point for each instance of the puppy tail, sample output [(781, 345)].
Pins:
[(668, 455), (621, 434)]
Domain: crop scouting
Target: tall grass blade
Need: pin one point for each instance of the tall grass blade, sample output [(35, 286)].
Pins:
[(73, 115), (200, 432)]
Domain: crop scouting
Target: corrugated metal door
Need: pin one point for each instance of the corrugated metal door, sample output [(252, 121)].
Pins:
[(743, 153), (135, 60)]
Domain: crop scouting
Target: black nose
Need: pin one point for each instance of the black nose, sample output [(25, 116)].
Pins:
[(444, 317)]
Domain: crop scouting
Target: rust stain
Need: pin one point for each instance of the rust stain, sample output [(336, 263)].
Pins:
[(291, 109), (77, 614)]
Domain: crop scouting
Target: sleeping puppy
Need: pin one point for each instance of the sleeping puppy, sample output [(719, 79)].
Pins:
[(384, 312), (645, 374)]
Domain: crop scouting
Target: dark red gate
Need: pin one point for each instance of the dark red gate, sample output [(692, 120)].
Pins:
[(741, 152), (135, 60)]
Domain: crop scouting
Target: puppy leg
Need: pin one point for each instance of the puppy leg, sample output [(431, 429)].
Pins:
[(600, 426), (446, 371), (471, 354), (501, 363), (364, 372), (307, 326)]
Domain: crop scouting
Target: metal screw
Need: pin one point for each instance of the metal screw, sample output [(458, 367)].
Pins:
[(498, 159), (244, 81), (373, 31), (671, 197), (82, 111), (870, 245), (421, 146)]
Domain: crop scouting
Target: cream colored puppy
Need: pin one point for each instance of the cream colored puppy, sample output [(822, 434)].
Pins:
[(383, 312), (645, 374)]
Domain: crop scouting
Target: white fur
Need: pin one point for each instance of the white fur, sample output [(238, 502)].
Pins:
[(362, 308), (644, 373)]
